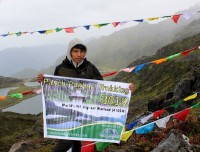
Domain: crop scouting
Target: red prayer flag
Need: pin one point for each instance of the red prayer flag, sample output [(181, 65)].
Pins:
[(87, 146), (184, 53), (182, 115), (28, 92), (158, 113), (176, 18), (109, 74), (69, 30), (115, 24)]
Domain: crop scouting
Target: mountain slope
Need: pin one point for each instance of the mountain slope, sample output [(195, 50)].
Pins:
[(154, 81), (134, 42)]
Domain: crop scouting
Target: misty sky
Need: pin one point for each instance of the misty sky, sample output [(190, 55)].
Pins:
[(34, 15)]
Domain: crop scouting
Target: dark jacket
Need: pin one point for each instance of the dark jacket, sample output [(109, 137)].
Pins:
[(86, 70)]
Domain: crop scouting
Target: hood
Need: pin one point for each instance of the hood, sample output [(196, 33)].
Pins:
[(72, 43)]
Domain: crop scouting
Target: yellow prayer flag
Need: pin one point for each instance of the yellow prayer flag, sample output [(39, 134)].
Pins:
[(49, 31), (153, 18), (97, 26), (11, 33), (124, 129), (190, 97), (126, 135)]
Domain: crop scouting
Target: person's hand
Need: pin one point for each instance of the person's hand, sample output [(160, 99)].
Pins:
[(131, 87), (40, 77)]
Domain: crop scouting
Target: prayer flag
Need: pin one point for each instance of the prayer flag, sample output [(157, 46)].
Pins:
[(69, 30), (109, 74), (28, 92), (186, 16), (190, 97), (162, 122), (196, 105), (145, 129), (173, 56), (128, 69), (187, 51), (145, 119), (16, 95), (87, 27), (140, 20), (2, 97), (158, 113), (176, 105), (182, 115), (102, 145), (139, 67), (175, 18), (39, 91), (49, 31), (153, 18), (131, 125), (126, 135), (159, 61), (87, 146), (42, 32), (58, 29), (18, 33), (115, 24)]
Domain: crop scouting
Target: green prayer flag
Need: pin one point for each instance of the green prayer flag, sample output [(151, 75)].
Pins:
[(196, 105), (173, 56), (176, 104), (58, 29), (18, 33), (104, 24), (17, 95), (166, 16), (102, 145)]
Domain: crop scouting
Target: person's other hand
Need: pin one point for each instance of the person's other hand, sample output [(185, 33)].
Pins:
[(40, 77), (131, 87)]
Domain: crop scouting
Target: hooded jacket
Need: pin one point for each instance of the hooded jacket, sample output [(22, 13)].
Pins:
[(85, 70)]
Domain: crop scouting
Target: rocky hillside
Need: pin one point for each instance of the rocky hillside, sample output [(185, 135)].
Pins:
[(155, 81)]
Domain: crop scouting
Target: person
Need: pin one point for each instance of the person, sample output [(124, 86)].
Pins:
[(77, 66)]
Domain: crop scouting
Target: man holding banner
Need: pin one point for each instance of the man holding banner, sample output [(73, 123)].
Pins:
[(76, 66)]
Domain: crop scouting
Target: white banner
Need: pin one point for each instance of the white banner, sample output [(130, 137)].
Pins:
[(84, 109)]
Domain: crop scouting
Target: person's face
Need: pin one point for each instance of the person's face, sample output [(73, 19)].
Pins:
[(77, 55)]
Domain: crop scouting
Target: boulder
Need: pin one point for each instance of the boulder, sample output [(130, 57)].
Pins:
[(182, 89), (174, 142), (196, 78)]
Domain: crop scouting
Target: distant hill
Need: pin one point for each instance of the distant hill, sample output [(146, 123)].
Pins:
[(26, 73), (8, 82)]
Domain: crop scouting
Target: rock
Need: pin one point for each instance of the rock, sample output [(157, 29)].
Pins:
[(174, 142), (156, 104), (182, 89), (196, 78), (15, 147)]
